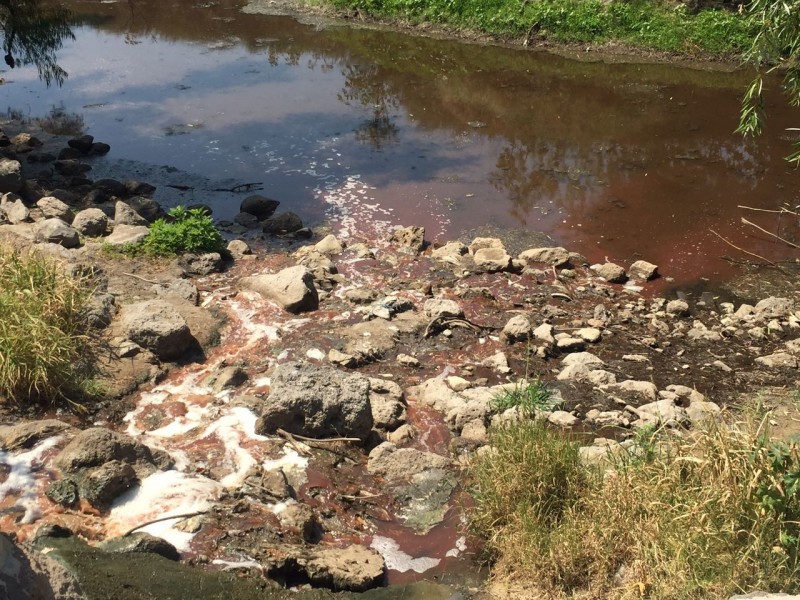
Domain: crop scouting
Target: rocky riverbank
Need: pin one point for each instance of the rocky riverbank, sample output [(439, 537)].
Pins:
[(298, 408)]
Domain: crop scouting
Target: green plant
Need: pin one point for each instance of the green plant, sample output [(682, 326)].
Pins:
[(46, 351), (186, 230), (529, 396)]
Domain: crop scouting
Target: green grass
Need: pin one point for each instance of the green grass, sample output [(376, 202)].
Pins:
[(530, 397), (705, 515), (46, 352), (184, 230), (645, 24)]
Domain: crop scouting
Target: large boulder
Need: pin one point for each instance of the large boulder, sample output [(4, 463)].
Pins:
[(317, 402), (157, 326), (259, 206), (292, 288), (27, 435), (124, 214), (97, 446), (52, 207), (91, 222), (14, 209), (127, 234), (56, 231), (25, 577)]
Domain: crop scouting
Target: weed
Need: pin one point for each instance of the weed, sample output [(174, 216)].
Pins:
[(710, 514), (185, 230), (529, 396), (45, 347), (60, 122)]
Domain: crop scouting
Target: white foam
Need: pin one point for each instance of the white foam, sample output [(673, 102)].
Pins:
[(230, 430), (20, 478), (461, 546), (163, 494), (397, 560), (292, 464)]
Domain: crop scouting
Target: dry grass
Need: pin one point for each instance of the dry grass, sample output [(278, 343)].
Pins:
[(45, 349), (705, 516)]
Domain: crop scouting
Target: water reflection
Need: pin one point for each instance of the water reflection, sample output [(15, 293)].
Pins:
[(32, 34), (615, 160)]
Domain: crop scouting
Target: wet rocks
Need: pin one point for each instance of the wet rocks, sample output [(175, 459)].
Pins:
[(642, 269), (259, 206), (554, 256), (140, 542), (27, 435), (351, 569), (611, 272), (317, 402), (411, 238), (292, 288), (20, 579), (282, 223), (157, 326)]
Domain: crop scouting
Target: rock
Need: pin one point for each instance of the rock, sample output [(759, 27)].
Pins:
[(64, 492), (100, 149), (585, 359), (10, 176), (259, 206), (287, 222), (14, 209), (661, 412), (570, 344), (677, 308), (642, 269), (202, 264), (772, 307), (778, 360), (227, 377), (72, 168), (721, 366), (408, 361), (53, 208), (517, 329), (492, 259), (482, 243), (140, 542), (317, 401), (611, 272), (147, 208), (292, 288), (639, 390), (22, 579), (411, 237), (703, 412), (301, 519), (351, 569), (458, 384), (27, 435), (125, 215), (100, 310), (561, 418), (127, 234), (82, 144), (246, 220), (239, 248), (111, 187), (329, 245), (104, 483), (338, 357), (393, 463), (91, 222), (764, 596), (589, 334), (557, 257), (361, 295), (56, 231), (498, 362), (387, 404), (179, 288), (439, 307), (158, 327), (451, 252), (97, 446), (544, 333)]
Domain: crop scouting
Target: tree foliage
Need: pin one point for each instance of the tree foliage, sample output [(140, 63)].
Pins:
[(33, 33), (776, 47)]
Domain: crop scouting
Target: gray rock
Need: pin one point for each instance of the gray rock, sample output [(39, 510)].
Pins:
[(317, 401), (27, 435), (112, 187), (772, 307), (441, 307), (545, 333), (227, 377), (239, 248), (64, 492), (97, 446), (329, 245), (82, 143), (778, 360), (14, 209), (202, 264), (101, 309), (91, 222), (104, 483), (246, 220), (53, 208), (678, 308), (259, 206), (10, 176), (387, 404), (301, 519), (611, 272), (351, 569), (557, 256), (125, 215), (158, 327), (492, 259), (147, 208), (481, 243), (517, 329), (642, 269), (56, 231), (393, 463), (19, 580), (589, 334), (585, 359), (451, 252), (287, 222), (570, 344), (411, 237), (140, 542), (292, 288), (179, 288), (635, 390), (72, 168), (127, 234), (661, 412)]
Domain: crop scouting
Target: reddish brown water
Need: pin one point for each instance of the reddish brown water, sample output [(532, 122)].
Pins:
[(372, 129)]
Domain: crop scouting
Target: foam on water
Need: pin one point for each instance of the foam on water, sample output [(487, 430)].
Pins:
[(397, 560), (231, 430), (21, 481)]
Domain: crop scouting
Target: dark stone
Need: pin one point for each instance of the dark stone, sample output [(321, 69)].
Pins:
[(82, 144), (202, 264), (100, 148), (139, 188), (101, 485), (112, 187), (69, 154), (287, 222), (260, 206), (147, 207), (141, 542), (70, 168), (63, 492)]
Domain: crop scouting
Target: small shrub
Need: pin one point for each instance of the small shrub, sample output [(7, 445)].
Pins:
[(530, 397), (45, 349), (186, 230)]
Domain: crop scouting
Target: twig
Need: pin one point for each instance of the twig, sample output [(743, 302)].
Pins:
[(283, 432), (766, 210), (241, 187), (140, 278), (746, 222), (182, 188), (742, 249), (159, 519)]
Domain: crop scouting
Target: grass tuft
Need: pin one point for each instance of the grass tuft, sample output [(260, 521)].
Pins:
[(530, 397), (45, 347), (705, 515)]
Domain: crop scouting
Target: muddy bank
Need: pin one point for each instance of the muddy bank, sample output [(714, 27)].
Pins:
[(302, 411)]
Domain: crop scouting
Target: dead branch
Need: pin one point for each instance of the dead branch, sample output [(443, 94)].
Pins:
[(732, 245), (746, 222), (160, 519)]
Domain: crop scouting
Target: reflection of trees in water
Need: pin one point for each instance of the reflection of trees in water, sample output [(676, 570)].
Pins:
[(32, 33), (365, 86)]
